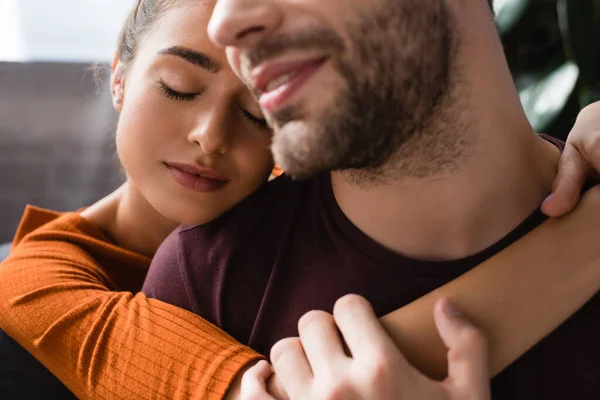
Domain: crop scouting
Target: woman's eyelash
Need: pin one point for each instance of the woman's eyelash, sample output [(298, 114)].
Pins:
[(258, 122), (175, 95)]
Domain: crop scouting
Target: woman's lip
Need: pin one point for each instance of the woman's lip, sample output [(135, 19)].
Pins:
[(199, 171), (196, 183), (270, 101)]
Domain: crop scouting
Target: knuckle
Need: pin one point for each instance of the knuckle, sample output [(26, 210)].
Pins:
[(285, 346), (587, 114), (349, 302), (250, 375), (378, 368), (310, 317), (473, 336), (338, 389), (249, 394), (248, 390), (470, 340), (591, 146), (454, 356)]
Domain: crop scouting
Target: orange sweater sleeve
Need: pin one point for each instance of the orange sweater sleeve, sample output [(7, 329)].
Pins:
[(59, 299)]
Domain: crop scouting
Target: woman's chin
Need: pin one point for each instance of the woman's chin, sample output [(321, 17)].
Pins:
[(190, 215)]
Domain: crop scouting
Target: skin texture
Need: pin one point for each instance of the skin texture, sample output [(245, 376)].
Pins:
[(580, 163), (448, 211), (208, 125), (118, 218), (316, 365)]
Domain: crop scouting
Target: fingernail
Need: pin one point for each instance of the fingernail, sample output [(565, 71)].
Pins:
[(548, 198), (452, 311)]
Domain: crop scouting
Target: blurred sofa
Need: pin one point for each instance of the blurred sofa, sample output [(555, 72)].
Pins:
[(4, 249), (56, 139)]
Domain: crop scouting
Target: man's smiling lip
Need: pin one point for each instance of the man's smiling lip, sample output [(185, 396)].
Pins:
[(263, 75), (293, 74)]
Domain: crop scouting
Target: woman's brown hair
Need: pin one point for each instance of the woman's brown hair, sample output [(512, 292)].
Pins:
[(143, 16)]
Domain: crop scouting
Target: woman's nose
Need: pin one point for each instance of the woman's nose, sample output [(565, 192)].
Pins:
[(210, 133)]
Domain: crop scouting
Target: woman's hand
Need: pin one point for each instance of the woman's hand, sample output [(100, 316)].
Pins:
[(580, 163)]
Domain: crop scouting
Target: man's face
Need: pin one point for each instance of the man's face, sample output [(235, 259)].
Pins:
[(343, 83)]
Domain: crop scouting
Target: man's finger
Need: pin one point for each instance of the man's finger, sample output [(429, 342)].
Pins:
[(467, 352), (254, 385), (361, 329), (321, 341), (276, 389), (573, 170), (291, 366)]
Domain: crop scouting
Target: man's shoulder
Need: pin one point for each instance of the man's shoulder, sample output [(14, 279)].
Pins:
[(195, 259), (256, 224), (267, 208)]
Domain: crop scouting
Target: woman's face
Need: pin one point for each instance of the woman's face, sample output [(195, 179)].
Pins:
[(190, 135)]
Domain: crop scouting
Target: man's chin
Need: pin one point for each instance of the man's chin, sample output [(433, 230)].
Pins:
[(291, 143), (302, 149)]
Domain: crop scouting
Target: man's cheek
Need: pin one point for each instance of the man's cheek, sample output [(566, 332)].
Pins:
[(233, 57)]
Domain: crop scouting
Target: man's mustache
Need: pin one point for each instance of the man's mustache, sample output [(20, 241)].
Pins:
[(313, 39)]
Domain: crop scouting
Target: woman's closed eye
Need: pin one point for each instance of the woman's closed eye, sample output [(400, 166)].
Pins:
[(173, 94)]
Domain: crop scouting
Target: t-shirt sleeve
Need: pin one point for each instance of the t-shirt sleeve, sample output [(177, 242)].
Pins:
[(62, 307)]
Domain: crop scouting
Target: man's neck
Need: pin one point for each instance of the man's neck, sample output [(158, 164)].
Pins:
[(458, 214)]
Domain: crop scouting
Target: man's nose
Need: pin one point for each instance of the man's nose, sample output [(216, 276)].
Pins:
[(241, 23)]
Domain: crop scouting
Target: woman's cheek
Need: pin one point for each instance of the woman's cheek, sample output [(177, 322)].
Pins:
[(141, 124), (259, 165)]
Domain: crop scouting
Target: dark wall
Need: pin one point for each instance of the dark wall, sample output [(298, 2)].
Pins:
[(56, 139)]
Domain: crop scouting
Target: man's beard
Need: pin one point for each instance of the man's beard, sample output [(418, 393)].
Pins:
[(395, 72)]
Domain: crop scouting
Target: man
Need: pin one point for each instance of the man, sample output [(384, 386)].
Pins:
[(430, 167)]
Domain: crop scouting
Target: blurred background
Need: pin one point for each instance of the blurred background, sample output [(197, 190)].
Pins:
[(553, 49), (57, 124)]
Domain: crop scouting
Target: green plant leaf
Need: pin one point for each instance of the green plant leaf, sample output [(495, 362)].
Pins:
[(508, 13), (580, 29), (545, 99)]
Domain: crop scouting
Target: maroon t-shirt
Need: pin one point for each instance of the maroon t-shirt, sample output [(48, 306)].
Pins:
[(289, 249)]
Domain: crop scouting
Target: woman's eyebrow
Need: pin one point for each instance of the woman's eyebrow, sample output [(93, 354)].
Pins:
[(198, 59)]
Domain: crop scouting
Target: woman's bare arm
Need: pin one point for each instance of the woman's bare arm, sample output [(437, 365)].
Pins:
[(517, 297)]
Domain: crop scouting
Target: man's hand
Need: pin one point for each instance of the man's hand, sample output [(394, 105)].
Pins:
[(234, 391), (318, 365), (580, 162)]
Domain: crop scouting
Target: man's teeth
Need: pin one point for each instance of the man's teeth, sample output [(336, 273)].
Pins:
[(276, 83)]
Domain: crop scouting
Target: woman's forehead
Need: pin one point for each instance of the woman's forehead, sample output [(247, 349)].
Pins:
[(185, 26)]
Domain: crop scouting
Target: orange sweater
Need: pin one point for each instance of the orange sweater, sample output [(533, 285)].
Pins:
[(66, 296)]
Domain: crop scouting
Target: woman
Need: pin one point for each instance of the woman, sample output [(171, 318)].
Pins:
[(193, 144)]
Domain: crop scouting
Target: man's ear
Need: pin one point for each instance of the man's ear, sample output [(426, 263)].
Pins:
[(117, 83)]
